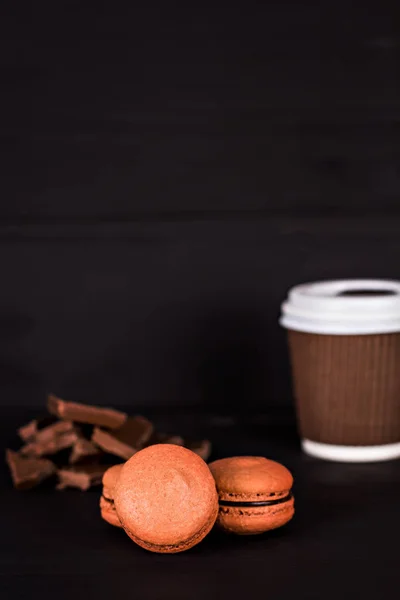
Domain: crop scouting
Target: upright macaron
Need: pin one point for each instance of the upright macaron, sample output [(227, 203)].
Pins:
[(166, 499), (254, 494), (107, 507)]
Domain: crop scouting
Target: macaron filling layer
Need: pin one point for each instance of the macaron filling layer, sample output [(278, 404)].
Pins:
[(107, 499), (108, 504), (257, 503)]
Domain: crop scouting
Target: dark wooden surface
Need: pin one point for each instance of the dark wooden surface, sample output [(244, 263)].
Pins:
[(342, 543), (153, 109), (168, 172), (165, 314)]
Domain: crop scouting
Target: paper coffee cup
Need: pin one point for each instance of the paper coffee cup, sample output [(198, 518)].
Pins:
[(344, 341)]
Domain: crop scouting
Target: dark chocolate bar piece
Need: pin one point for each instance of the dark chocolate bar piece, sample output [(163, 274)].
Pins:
[(83, 451), (51, 439), (27, 473), (202, 448), (164, 438), (84, 413), (83, 477), (125, 441), (29, 431)]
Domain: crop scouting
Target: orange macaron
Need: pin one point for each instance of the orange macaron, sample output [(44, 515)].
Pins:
[(107, 506), (166, 499), (254, 494)]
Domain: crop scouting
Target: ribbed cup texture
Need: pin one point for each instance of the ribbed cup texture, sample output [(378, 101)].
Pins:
[(347, 387)]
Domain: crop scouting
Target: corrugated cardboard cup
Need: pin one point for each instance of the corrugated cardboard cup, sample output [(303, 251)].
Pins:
[(344, 341)]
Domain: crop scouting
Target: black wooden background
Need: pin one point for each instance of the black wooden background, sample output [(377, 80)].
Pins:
[(168, 172)]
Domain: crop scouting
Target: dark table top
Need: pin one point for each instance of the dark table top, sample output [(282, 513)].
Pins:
[(342, 543)]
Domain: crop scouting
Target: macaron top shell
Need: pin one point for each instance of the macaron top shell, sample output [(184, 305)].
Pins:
[(250, 478), (165, 496), (110, 479)]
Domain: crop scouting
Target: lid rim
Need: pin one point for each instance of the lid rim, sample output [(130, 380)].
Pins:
[(317, 307), (330, 328)]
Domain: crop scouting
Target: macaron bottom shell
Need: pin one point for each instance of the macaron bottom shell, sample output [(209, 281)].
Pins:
[(179, 547), (108, 512), (246, 520)]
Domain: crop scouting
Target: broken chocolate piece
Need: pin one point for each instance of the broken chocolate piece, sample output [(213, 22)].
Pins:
[(83, 451), (30, 430), (125, 441), (84, 413), (27, 432), (45, 434), (51, 439), (202, 448), (27, 473), (83, 477), (164, 438)]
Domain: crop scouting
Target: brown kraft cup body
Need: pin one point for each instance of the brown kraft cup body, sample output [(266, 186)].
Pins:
[(347, 387)]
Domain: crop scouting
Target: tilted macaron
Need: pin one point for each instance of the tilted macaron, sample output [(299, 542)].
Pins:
[(254, 494), (107, 506), (166, 498)]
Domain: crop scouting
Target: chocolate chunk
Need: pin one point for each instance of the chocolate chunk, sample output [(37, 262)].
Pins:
[(83, 477), (51, 439), (164, 438), (27, 432), (27, 473), (202, 448), (125, 441), (30, 430), (83, 451), (84, 413), (48, 433)]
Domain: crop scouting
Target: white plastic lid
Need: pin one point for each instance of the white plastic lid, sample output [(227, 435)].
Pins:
[(344, 307)]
